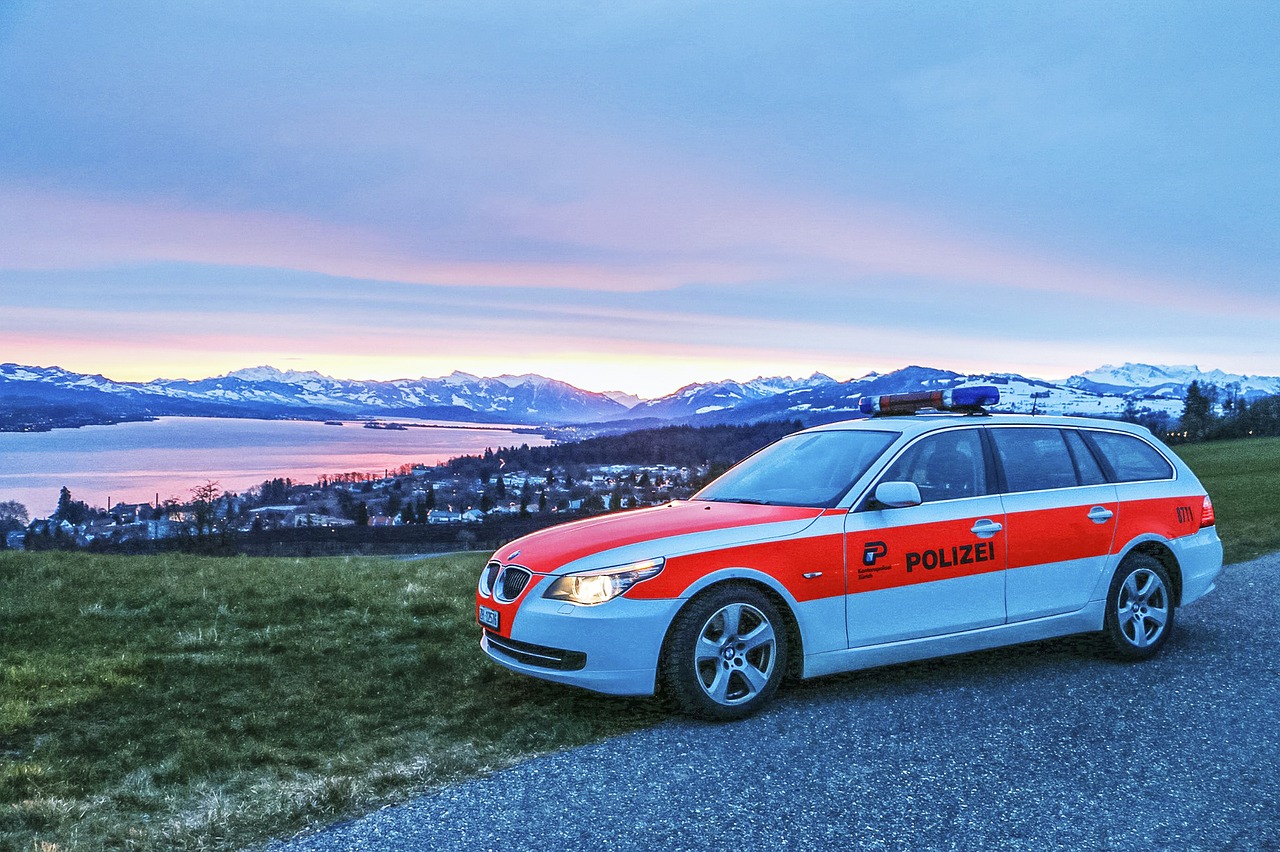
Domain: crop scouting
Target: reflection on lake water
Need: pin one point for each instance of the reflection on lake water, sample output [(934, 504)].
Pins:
[(132, 462)]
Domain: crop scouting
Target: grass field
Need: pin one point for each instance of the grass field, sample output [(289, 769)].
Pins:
[(179, 702), (1243, 478), (175, 702)]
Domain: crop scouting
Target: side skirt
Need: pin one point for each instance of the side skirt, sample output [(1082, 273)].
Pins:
[(1084, 620)]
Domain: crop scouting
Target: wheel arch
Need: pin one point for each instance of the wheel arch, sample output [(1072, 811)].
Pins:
[(762, 583), (1159, 550)]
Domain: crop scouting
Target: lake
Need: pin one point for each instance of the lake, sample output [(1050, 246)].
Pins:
[(132, 462)]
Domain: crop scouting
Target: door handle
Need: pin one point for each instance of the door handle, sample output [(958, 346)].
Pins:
[(1101, 514), (985, 528)]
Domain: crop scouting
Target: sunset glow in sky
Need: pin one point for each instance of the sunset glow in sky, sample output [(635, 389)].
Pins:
[(635, 196)]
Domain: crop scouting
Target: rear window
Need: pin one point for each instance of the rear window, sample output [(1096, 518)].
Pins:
[(1130, 458)]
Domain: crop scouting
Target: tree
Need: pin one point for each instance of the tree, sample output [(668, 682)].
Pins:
[(431, 496), (274, 491), (69, 510), (1197, 412), (203, 500), (362, 515), (13, 516)]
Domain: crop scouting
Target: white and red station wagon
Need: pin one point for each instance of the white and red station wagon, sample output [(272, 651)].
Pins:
[(860, 544)]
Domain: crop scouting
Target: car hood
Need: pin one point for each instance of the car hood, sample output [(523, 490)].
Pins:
[(649, 533)]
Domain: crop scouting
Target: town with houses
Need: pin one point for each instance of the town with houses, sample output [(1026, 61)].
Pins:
[(454, 495)]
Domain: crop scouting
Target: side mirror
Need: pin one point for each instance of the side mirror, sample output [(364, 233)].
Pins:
[(898, 495)]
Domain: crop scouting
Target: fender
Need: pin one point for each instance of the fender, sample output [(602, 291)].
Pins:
[(1114, 560), (739, 573), (820, 622)]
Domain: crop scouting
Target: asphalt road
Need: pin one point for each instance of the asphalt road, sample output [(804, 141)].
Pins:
[(1043, 746)]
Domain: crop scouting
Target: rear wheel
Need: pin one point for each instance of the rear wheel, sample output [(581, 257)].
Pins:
[(726, 655), (1140, 608)]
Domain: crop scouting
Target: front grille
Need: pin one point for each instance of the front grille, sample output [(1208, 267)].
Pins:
[(537, 655), (512, 582)]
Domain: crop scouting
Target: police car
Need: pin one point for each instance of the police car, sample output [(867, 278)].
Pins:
[(859, 544)]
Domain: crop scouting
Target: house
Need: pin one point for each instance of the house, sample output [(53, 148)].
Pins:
[(165, 528), (308, 519), (435, 516), (128, 513), (277, 516)]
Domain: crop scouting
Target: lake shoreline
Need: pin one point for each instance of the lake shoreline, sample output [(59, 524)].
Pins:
[(163, 457), (82, 422)]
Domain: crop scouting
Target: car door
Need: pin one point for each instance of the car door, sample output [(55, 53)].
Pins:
[(1060, 516), (934, 568)]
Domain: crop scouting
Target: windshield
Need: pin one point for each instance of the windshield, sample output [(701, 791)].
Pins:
[(809, 469)]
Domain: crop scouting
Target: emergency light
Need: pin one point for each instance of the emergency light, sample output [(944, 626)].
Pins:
[(957, 399)]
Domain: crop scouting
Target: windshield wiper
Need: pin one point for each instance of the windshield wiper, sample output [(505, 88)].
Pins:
[(748, 500)]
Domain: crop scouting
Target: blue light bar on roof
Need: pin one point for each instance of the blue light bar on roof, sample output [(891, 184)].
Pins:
[(957, 399)]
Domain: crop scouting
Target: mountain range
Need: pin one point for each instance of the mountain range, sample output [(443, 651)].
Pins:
[(37, 398)]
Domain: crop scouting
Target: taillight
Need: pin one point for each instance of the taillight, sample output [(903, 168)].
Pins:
[(1206, 513)]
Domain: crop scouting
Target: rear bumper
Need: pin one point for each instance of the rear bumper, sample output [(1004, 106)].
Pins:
[(611, 648), (1200, 557)]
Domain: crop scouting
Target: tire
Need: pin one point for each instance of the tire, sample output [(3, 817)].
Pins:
[(1140, 608), (726, 654)]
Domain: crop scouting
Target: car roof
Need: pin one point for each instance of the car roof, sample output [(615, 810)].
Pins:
[(916, 424)]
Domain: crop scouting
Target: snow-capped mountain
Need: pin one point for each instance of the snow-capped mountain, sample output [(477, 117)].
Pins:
[(705, 398), (831, 401), (458, 396), (1151, 381), (268, 392), (50, 397)]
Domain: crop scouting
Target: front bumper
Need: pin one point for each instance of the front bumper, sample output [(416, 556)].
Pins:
[(611, 648)]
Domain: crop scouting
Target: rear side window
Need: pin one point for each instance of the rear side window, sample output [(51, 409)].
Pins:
[(945, 466), (1131, 459), (1034, 459)]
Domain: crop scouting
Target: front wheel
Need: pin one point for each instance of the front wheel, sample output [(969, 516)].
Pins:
[(1140, 608), (726, 655)]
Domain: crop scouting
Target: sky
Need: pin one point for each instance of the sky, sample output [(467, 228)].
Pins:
[(638, 195)]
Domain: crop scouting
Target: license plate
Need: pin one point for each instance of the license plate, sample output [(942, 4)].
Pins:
[(488, 617)]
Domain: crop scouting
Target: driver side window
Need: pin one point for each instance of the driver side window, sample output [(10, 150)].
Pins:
[(945, 466)]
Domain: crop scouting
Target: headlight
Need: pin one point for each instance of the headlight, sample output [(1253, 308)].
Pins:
[(604, 584), (488, 577)]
